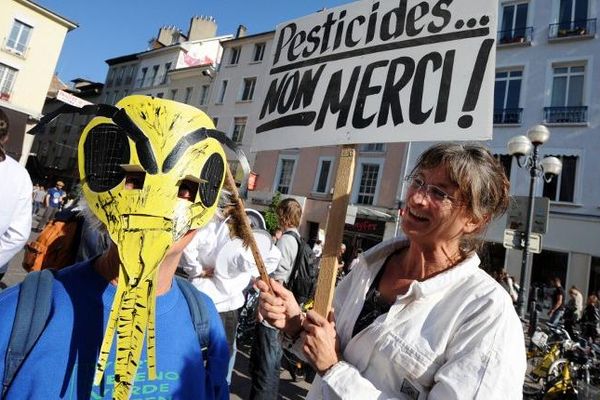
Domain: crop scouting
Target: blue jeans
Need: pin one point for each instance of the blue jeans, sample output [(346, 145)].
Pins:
[(555, 318), (265, 361)]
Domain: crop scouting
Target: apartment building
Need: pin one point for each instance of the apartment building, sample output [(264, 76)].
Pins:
[(54, 151), (238, 89), (547, 71), (32, 40), (176, 66)]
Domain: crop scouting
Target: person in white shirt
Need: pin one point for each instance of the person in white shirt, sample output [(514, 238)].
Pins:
[(317, 248), (15, 203), (221, 267), (417, 318)]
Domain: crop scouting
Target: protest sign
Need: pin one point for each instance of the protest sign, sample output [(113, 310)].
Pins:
[(381, 71)]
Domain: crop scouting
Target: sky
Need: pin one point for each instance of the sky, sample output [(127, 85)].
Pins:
[(113, 28)]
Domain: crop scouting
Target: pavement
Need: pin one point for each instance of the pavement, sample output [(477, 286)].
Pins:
[(240, 385)]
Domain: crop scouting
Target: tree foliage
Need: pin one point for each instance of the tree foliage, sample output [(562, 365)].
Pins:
[(271, 213)]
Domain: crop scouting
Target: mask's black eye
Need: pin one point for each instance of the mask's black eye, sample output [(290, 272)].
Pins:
[(210, 178), (105, 149)]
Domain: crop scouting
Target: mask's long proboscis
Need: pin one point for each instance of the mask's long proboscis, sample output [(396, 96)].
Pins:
[(133, 310), (131, 328)]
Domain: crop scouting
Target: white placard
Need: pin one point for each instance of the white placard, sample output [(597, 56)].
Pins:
[(381, 71), (70, 99)]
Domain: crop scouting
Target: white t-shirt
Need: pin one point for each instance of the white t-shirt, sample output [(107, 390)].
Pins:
[(15, 209)]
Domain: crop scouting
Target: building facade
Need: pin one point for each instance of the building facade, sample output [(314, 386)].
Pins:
[(33, 38), (547, 69)]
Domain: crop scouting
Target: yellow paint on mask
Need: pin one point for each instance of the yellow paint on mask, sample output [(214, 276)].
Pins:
[(133, 180)]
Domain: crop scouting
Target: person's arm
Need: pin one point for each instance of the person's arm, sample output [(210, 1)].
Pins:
[(15, 237), (47, 200)]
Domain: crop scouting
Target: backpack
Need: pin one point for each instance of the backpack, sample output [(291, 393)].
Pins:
[(56, 246), (303, 278), (33, 310)]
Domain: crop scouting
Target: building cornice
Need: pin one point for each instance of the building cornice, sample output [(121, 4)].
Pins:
[(70, 25)]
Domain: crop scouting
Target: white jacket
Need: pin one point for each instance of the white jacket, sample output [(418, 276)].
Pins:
[(453, 336), (234, 266), (15, 209)]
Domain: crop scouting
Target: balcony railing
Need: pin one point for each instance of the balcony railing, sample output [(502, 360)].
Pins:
[(522, 35), (12, 49), (581, 28), (507, 115), (565, 115), (4, 96)]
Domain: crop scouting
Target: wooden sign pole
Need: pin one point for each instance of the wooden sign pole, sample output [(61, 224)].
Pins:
[(335, 230), (243, 225)]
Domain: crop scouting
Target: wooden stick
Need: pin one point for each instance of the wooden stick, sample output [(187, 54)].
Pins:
[(239, 214), (335, 230)]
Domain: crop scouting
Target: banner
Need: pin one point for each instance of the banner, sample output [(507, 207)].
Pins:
[(381, 71)]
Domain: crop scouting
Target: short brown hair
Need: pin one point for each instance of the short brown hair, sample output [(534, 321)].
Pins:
[(289, 213), (482, 183)]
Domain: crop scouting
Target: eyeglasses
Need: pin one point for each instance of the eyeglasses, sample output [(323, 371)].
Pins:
[(434, 192)]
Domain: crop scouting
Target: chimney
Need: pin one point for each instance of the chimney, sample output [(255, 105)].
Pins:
[(168, 35), (241, 31), (202, 27)]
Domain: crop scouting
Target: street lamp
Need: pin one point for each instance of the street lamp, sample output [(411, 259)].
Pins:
[(525, 149)]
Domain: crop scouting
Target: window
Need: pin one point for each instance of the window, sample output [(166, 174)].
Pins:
[(284, 175), (129, 74), (141, 80), (514, 22), (19, 36), (110, 77), (188, 95), (369, 177), (173, 94), (566, 104), (259, 52), (222, 92), (203, 94), (235, 55), (567, 86), (152, 80), (248, 90), (507, 94), (7, 80), (120, 73), (372, 147), (562, 187), (239, 126), (572, 13), (323, 175)]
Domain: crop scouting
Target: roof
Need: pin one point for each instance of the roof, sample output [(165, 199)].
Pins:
[(122, 59), (70, 25), (237, 39)]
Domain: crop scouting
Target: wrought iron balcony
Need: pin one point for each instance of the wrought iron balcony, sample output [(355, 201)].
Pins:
[(522, 35), (578, 28), (565, 115), (507, 115)]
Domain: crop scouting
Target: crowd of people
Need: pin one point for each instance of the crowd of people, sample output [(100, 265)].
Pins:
[(413, 317)]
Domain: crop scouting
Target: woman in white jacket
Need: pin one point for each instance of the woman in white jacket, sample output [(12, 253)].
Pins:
[(419, 319)]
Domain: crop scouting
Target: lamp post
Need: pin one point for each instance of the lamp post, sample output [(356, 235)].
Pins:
[(525, 149)]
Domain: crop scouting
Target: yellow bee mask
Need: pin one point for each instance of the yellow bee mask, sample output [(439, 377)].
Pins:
[(150, 173)]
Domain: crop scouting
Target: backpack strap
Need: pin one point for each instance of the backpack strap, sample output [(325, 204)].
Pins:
[(33, 309), (297, 258), (199, 313)]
